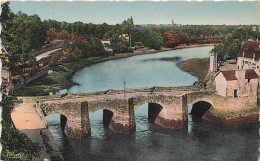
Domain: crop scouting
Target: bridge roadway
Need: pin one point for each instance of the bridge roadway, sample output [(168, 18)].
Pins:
[(167, 107)]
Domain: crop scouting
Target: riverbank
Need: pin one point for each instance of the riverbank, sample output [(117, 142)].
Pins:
[(197, 67), (60, 77)]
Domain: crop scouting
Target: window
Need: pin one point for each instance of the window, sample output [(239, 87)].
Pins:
[(257, 67), (248, 81), (237, 67), (235, 93)]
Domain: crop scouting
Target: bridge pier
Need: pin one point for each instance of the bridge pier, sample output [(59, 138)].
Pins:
[(78, 125), (174, 115), (168, 111), (120, 124)]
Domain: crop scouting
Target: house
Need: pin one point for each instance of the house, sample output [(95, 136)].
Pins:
[(248, 56), (105, 41), (237, 83), (106, 44), (126, 36)]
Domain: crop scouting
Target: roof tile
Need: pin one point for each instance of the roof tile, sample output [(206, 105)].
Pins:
[(251, 74), (230, 75)]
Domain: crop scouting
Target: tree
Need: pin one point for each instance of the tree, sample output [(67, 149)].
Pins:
[(63, 35), (153, 40), (6, 14), (22, 35), (174, 38), (233, 43), (120, 44), (51, 35)]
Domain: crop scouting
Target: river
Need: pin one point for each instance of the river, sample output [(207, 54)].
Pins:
[(202, 140)]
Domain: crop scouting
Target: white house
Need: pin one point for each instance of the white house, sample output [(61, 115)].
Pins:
[(106, 43), (126, 36), (237, 83)]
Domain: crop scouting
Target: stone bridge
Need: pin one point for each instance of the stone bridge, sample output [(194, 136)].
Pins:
[(167, 107)]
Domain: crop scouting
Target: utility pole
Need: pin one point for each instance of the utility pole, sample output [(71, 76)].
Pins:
[(124, 89)]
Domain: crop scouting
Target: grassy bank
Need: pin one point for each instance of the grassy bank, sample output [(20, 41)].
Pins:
[(57, 79), (60, 77), (197, 67)]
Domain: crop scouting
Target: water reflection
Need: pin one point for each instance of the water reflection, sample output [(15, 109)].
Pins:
[(203, 141), (147, 70)]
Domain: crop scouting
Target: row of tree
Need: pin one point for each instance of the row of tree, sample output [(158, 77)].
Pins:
[(52, 35), (23, 34), (174, 38)]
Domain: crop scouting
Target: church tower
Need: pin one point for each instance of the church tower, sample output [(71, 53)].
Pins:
[(213, 64)]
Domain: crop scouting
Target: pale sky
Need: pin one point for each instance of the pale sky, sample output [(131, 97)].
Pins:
[(144, 12)]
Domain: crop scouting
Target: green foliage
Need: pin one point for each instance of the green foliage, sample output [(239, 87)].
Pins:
[(153, 40), (22, 35), (120, 45), (13, 141), (197, 30), (233, 42), (6, 14), (77, 50)]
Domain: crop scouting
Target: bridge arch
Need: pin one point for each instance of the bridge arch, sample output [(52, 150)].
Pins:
[(62, 119), (205, 99), (199, 108), (154, 109), (107, 117)]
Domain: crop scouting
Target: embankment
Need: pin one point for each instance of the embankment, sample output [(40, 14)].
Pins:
[(197, 67)]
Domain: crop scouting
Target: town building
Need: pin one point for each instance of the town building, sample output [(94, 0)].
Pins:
[(248, 56), (237, 83)]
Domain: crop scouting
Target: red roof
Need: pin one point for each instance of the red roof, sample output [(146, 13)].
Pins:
[(230, 75), (250, 48), (251, 74), (105, 39)]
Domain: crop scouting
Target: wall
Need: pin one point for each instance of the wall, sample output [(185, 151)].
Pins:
[(231, 86), (221, 84)]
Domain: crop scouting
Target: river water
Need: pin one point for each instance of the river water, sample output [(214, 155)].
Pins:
[(201, 141)]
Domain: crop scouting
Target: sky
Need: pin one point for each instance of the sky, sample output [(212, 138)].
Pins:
[(144, 12)]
